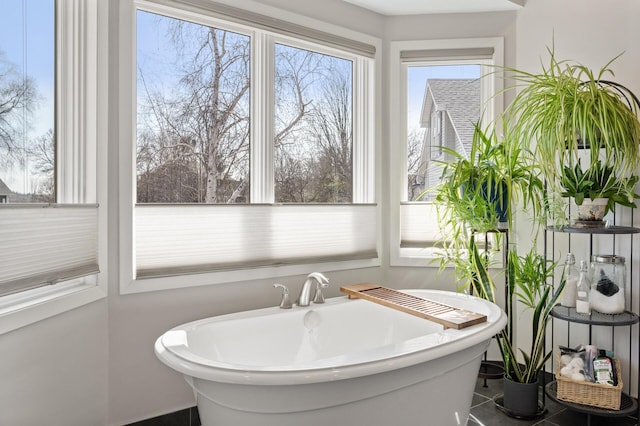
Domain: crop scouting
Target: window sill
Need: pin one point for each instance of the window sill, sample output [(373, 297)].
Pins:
[(23, 309), (132, 286), (428, 258), (415, 257)]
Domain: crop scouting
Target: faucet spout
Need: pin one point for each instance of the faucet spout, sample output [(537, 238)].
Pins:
[(320, 282)]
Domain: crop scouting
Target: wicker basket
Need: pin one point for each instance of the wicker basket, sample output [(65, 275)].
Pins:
[(591, 394)]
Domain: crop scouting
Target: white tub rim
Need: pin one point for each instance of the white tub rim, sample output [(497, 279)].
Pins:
[(193, 365)]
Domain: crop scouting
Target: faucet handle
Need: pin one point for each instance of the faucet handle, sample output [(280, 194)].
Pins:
[(285, 303), (319, 297)]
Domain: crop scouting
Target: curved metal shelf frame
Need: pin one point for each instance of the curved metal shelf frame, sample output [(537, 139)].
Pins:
[(596, 318), (628, 405), (610, 230)]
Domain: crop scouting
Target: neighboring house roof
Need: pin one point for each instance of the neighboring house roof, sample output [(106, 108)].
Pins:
[(13, 197), (4, 189), (460, 98)]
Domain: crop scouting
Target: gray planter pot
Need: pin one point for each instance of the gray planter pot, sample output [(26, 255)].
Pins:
[(520, 399)]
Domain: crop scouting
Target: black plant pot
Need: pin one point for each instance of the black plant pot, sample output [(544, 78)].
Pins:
[(520, 399), (494, 196), (498, 197)]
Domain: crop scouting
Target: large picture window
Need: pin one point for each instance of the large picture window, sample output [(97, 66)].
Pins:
[(193, 119), (253, 148)]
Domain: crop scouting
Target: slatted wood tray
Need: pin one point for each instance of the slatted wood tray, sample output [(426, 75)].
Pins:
[(448, 316)]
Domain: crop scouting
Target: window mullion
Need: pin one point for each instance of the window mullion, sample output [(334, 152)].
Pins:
[(262, 119), (363, 132), (77, 46)]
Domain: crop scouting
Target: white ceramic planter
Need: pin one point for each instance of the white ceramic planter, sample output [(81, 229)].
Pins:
[(592, 210)]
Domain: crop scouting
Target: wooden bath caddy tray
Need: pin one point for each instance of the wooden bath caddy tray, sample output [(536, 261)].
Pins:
[(440, 313)]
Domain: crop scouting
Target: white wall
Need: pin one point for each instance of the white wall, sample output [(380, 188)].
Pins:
[(55, 372), (586, 31), (95, 365)]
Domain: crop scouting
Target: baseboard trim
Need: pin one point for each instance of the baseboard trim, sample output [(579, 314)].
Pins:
[(187, 417)]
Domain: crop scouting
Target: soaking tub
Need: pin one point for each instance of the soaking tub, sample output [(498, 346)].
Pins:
[(344, 362)]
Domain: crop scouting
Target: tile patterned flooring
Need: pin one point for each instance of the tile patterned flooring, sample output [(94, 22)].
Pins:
[(485, 413)]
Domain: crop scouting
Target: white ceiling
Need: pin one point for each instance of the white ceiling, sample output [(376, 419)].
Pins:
[(417, 7)]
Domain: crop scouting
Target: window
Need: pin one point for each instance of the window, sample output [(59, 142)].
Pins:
[(193, 112), (443, 88), (444, 101), (193, 138), (253, 149), (27, 44), (49, 222), (313, 131)]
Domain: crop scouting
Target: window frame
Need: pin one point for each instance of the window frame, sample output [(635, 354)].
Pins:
[(80, 116), (365, 141), (416, 256), (435, 133)]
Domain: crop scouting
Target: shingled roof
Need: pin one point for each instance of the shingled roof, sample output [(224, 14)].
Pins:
[(4, 189), (461, 99)]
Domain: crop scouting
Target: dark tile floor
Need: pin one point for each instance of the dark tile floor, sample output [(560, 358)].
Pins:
[(485, 413)]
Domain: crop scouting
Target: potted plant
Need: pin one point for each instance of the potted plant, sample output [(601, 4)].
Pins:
[(476, 194), (473, 188), (465, 212), (597, 190), (567, 108), (528, 284), (529, 281)]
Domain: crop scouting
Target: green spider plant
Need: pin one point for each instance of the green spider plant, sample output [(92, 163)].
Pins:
[(567, 107), (598, 181)]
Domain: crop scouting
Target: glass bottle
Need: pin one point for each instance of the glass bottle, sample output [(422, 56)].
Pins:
[(583, 289), (570, 275), (608, 281)]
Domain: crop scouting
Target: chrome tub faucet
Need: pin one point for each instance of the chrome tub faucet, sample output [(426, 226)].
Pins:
[(320, 282)]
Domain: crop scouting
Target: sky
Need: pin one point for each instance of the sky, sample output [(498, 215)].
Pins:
[(27, 42)]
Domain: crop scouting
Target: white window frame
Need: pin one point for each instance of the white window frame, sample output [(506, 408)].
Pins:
[(410, 256), (435, 133), (81, 111), (365, 142)]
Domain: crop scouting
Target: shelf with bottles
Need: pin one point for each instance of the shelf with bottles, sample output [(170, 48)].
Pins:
[(596, 294), (594, 318)]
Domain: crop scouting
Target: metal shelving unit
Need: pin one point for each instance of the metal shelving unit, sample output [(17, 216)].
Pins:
[(491, 370), (629, 405)]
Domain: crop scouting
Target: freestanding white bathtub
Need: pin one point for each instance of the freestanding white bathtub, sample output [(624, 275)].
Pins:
[(345, 362)]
